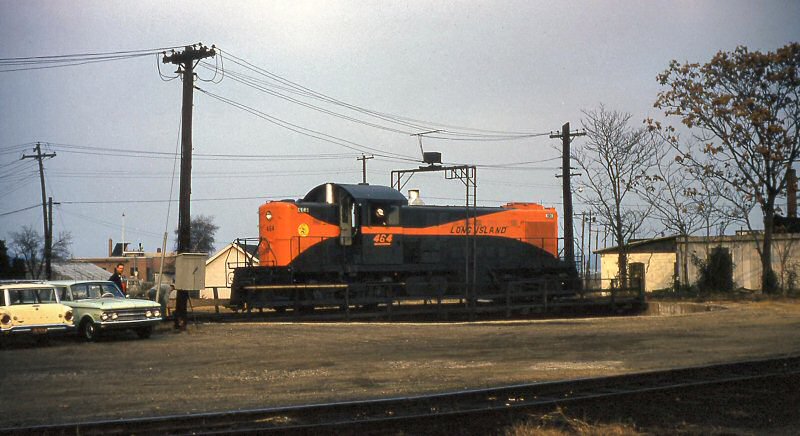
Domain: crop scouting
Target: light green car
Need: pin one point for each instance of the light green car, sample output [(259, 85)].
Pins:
[(99, 306)]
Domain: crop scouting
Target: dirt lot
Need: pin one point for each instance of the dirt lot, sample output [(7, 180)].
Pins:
[(215, 367)]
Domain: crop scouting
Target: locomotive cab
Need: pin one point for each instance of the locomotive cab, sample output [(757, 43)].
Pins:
[(368, 220)]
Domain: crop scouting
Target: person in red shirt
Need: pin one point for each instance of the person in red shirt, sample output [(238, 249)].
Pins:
[(117, 277)]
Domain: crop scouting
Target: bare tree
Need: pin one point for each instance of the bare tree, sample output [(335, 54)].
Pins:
[(682, 199), (29, 246), (613, 161), (674, 201), (743, 108)]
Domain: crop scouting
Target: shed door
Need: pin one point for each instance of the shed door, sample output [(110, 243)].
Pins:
[(637, 275)]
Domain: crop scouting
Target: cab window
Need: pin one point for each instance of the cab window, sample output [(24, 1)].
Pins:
[(384, 215)]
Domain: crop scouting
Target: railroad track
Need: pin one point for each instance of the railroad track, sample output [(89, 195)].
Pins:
[(416, 412)]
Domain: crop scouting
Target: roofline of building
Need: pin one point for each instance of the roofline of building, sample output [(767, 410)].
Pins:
[(225, 248), (708, 239)]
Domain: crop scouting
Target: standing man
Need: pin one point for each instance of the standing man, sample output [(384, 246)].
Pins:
[(117, 277)]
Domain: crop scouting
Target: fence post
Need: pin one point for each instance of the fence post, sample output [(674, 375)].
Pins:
[(216, 300), (347, 303)]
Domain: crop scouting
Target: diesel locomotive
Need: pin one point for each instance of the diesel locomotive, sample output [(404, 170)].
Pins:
[(353, 244)]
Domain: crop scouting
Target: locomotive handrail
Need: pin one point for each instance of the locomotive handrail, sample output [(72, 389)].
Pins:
[(305, 286)]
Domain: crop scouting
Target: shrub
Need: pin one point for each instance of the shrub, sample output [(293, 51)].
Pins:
[(716, 272)]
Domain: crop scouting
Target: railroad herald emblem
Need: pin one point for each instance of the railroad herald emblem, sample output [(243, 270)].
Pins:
[(302, 230)]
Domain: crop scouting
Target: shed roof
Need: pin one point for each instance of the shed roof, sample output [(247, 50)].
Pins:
[(77, 270), (664, 244)]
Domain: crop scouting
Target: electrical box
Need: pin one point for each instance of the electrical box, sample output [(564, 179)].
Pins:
[(190, 271)]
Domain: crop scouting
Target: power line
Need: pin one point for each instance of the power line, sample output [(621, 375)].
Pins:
[(20, 210), (305, 131), (8, 65), (456, 132), (196, 175), (273, 197), (110, 151)]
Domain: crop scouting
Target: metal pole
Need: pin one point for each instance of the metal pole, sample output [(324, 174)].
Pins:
[(583, 238), (48, 241), (589, 257)]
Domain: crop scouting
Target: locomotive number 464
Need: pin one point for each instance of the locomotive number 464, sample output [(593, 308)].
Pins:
[(382, 239)]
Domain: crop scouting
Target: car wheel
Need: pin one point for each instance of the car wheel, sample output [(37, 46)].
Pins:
[(89, 331), (144, 332)]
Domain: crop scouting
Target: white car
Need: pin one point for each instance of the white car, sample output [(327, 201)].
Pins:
[(32, 308)]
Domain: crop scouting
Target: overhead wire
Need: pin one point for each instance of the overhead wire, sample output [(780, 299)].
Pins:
[(70, 60), (460, 131), (198, 175), (259, 197), (20, 210), (111, 151), (305, 131)]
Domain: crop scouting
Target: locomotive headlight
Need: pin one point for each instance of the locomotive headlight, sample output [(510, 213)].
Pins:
[(268, 215)]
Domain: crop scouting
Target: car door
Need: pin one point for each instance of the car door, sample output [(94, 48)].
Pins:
[(28, 305)]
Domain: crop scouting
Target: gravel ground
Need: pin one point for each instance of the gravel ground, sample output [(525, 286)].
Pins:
[(217, 367)]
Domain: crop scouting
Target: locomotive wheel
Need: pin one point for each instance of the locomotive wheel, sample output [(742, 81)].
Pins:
[(438, 286), (417, 286)]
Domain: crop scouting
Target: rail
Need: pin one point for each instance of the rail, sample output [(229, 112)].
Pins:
[(403, 412)]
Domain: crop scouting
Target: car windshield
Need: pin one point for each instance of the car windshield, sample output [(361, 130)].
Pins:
[(31, 296), (83, 291)]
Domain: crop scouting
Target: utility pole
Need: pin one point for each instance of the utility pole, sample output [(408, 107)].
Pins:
[(569, 233), (589, 251), (186, 61), (583, 238), (48, 248), (363, 160), (48, 237)]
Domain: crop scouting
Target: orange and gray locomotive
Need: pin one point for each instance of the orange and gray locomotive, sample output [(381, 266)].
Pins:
[(346, 244)]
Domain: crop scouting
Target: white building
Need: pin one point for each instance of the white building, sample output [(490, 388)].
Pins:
[(663, 261), (220, 266)]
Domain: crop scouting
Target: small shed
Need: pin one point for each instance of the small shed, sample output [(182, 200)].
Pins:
[(654, 261), (220, 266)]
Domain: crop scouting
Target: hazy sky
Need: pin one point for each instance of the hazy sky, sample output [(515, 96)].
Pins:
[(511, 66)]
